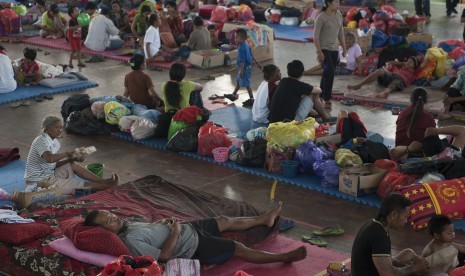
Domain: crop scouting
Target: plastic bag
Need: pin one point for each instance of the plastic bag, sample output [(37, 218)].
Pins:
[(394, 181), (291, 134), (142, 128), (252, 153), (371, 151), (219, 15), (126, 122), (275, 156), (132, 266), (245, 13), (163, 124), (176, 126), (441, 57), (307, 154), (386, 164), (346, 158), (256, 132), (212, 136), (188, 115), (430, 177), (185, 140), (97, 109), (78, 123), (114, 111), (328, 171)]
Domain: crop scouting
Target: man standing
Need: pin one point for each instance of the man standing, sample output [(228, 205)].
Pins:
[(371, 251)]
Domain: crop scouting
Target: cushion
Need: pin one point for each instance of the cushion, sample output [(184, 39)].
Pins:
[(66, 247), (21, 233), (93, 239)]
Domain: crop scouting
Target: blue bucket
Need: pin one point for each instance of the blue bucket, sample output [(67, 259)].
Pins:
[(289, 168)]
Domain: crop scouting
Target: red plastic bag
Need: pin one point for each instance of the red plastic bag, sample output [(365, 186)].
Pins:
[(219, 15), (245, 13), (132, 266), (394, 181), (458, 272), (188, 115), (387, 165), (457, 53), (211, 137)]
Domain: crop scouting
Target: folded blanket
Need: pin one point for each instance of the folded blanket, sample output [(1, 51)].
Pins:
[(7, 155), (9, 216)]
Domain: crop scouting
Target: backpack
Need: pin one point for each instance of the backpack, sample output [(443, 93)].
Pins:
[(252, 153), (76, 102), (78, 123), (371, 151), (163, 124)]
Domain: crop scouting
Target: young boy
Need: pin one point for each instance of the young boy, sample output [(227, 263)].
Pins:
[(441, 252), (261, 107), (244, 64), (395, 76), (29, 67), (74, 36), (213, 37)]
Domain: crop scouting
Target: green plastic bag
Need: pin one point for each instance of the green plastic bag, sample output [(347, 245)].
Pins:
[(176, 126)]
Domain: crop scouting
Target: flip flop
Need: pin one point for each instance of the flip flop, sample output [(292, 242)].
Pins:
[(40, 98), (208, 77), (329, 231), (154, 68), (286, 225), (231, 97), (48, 96), (215, 96), (314, 240), (219, 101), (23, 103)]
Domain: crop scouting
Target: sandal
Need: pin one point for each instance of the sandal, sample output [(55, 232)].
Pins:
[(219, 101), (348, 102), (315, 240), (231, 97), (208, 77), (154, 68), (329, 231), (23, 103), (286, 225), (97, 58), (48, 96), (395, 110), (40, 98), (215, 96)]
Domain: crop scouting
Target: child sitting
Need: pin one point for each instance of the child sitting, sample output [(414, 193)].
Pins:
[(244, 64), (395, 76), (213, 37), (154, 50), (261, 107), (441, 252), (29, 69), (342, 68), (74, 36)]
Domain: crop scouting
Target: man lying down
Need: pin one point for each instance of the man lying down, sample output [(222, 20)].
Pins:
[(168, 239)]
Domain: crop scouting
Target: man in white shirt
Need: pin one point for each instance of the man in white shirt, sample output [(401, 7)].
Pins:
[(7, 76), (261, 106), (152, 43), (103, 33)]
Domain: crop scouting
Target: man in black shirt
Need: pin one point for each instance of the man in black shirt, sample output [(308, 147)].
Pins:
[(371, 251), (294, 99)]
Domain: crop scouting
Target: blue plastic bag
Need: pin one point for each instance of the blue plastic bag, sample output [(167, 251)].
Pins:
[(380, 39), (396, 40), (328, 171), (420, 46), (151, 114), (307, 154)]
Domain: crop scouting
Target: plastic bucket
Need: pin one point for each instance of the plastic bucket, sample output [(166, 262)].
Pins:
[(221, 154), (96, 168), (289, 168)]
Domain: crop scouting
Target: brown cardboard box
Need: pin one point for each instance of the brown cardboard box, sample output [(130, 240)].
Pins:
[(299, 4), (333, 137), (228, 27), (263, 52), (364, 41), (358, 181), (206, 59), (367, 64), (25, 199), (428, 38)]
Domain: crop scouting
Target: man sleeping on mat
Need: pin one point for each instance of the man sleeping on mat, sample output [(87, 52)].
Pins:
[(168, 238)]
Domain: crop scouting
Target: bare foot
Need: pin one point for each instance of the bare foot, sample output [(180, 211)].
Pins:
[(270, 216), (354, 87), (296, 255), (383, 95)]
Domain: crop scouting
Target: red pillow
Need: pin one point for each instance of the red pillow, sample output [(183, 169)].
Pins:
[(92, 238), (21, 233)]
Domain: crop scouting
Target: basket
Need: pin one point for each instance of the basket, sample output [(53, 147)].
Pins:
[(221, 154)]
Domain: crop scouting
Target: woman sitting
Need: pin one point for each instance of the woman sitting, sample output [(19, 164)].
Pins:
[(139, 23), (138, 86), (120, 19), (7, 75), (200, 36), (176, 92), (174, 21), (50, 168)]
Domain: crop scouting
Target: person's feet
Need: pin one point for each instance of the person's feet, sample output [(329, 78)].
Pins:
[(454, 11), (383, 95), (248, 103), (296, 255), (270, 216), (354, 87)]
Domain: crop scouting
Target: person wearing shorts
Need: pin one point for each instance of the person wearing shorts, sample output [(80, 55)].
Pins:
[(168, 238), (48, 168), (74, 37), (395, 76)]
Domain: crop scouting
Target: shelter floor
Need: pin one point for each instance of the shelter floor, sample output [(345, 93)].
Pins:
[(311, 210)]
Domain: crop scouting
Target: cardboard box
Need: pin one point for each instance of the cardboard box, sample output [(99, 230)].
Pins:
[(358, 181), (263, 52), (299, 4), (428, 38), (228, 27), (332, 137), (367, 64), (230, 57), (364, 41), (206, 59), (25, 199)]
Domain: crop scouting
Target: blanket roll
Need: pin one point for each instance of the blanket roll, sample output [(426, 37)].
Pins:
[(7, 155)]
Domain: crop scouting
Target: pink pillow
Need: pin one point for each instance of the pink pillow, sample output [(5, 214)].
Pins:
[(66, 247)]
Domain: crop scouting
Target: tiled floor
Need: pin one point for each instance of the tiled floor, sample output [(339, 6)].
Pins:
[(310, 209)]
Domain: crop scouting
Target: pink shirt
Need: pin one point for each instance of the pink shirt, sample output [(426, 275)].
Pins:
[(407, 75)]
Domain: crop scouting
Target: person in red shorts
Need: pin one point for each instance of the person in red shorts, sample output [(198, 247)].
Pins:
[(74, 36), (29, 69)]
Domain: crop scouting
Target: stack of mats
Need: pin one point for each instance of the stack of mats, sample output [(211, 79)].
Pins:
[(292, 33)]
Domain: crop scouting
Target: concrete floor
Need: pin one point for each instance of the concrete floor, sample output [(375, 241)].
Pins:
[(311, 210)]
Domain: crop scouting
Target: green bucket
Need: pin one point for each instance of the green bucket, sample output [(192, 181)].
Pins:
[(96, 168)]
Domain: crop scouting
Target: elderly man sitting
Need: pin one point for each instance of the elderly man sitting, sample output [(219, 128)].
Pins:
[(103, 33)]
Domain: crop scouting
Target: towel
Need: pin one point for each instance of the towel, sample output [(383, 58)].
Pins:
[(8, 216), (7, 155)]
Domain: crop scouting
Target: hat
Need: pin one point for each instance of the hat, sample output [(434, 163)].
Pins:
[(415, 61), (281, 3)]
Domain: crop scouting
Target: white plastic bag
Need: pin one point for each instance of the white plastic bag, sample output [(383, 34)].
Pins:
[(289, 21), (142, 128), (126, 122)]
